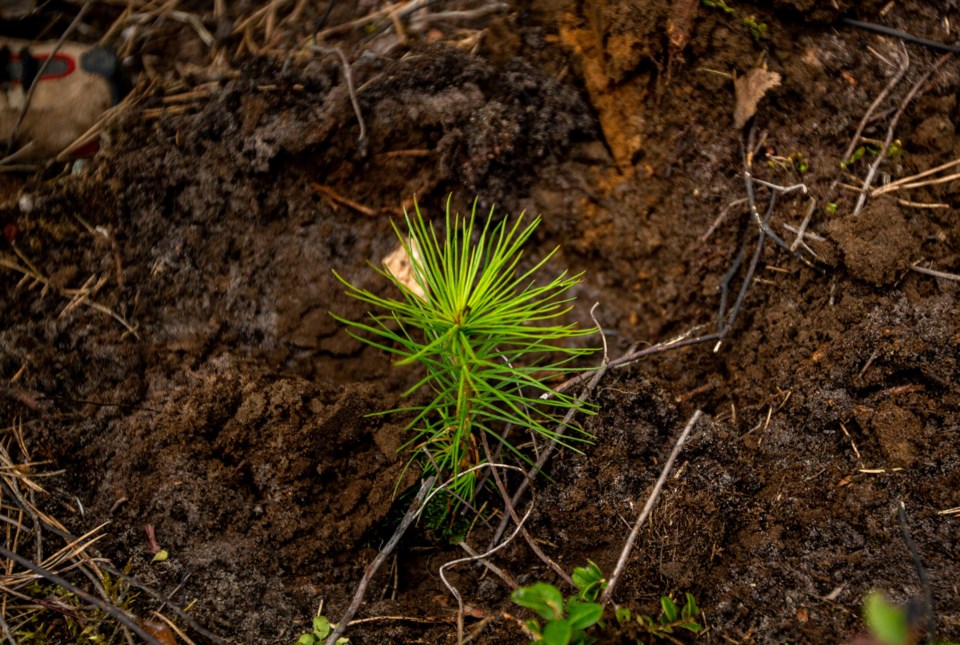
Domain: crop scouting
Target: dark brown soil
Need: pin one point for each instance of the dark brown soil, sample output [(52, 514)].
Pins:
[(234, 420)]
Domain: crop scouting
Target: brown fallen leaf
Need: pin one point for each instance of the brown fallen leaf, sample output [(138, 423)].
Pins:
[(749, 89), (398, 264), (159, 631)]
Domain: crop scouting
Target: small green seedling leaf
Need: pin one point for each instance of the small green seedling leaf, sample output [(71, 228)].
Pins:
[(321, 627), (669, 609), (546, 600), (690, 609), (719, 4), (581, 615), (886, 622), (623, 615), (832, 208), (307, 639), (690, 626), (589, 581), (557, 632), (161, 556)]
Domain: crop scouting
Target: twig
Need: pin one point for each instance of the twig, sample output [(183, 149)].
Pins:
[(336, 197), (902, 35), (803, 225), (722, 216), (603, 339), (876, 103), (472, 558), (482, 559), (43, 68), (548, 450), (385, 552), (910, 204), (513, 514), (121, 616), (348, 78), (865, 189), (935, 273), (748, 278), (494, 7), (921, 573), (894, 185), (364, 20), (6, 630), (917, 184), (651, 500)]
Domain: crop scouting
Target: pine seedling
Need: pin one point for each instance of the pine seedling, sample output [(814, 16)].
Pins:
[(488, 333)]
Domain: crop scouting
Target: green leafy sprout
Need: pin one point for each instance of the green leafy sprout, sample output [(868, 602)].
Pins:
[(672, 618), (719, 4), (322, 627), (567, 620), (487, 333), (887, 623), (756, 28)]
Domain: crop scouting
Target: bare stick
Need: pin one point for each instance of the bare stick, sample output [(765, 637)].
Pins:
[(876, 102), (513, 514), (481, 558), (722, 216), (804, 224), (348, 78), (893, 185), (43, 69), (548, 450), (921, 573), (378, 561), (917, 184), (651, 500), (453, 590), (936, 274), (865, 189)]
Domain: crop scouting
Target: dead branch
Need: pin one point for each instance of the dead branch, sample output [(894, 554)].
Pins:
[(651, 500), (418, 502), (865, 189)]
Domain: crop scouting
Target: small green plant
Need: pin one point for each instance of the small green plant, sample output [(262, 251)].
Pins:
[(856, 156), (487, 334), (671, 618), (831, 207), (566, 620), (756, 28), (887, 623), (589, 581), (322, 628), (895, 149), (795, 162), (719, 4)]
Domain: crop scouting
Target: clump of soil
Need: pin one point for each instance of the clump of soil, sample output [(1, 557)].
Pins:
[(235, 419)]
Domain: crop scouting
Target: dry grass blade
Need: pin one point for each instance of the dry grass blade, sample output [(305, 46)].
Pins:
[(20, 575), (865, 189), (32, 273), (911, 181)]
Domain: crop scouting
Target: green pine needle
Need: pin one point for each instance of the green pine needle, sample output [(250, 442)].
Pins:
[(488, 338)]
